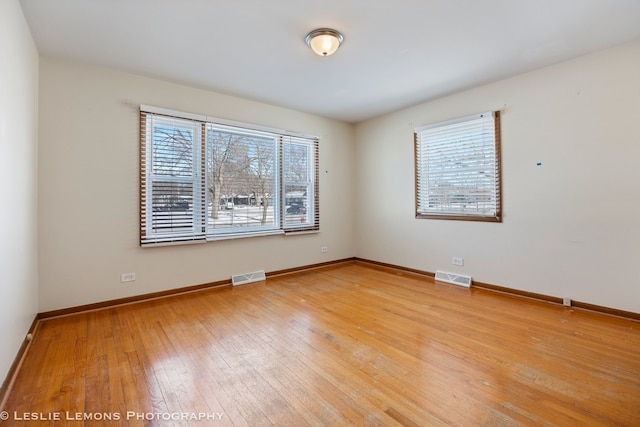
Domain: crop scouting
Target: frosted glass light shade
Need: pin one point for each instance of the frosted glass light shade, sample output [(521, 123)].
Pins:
[(324, 41)]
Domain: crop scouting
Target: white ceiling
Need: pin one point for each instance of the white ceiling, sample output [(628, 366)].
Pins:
[(396, 53)]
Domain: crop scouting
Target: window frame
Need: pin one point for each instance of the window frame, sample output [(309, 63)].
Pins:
[(225, 232), (311, 184), (425, 213), (202, 230)]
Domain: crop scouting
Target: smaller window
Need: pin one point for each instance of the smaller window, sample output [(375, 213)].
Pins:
[(458, 169)]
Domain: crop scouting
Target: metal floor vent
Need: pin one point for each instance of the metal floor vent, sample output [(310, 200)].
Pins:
[(244, 278), (456, 279)]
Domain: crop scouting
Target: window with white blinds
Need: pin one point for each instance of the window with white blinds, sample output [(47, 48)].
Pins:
[(458, 169), (205, 179)]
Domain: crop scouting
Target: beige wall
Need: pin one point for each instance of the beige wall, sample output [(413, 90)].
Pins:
[(88, 205), (570, 225), (568, 230), (18, 181)]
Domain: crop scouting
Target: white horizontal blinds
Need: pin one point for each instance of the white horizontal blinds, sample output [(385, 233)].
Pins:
[(203, 178), (143, 176), (242, 171), (300, 180), (171, 195), (457, 167)]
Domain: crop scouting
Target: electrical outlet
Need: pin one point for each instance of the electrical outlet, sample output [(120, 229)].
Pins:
[(457, 261), (566, 301), (324, 249), (127, 277)]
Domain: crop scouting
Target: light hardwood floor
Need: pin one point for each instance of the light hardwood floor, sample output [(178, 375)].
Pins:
[(344, 345)]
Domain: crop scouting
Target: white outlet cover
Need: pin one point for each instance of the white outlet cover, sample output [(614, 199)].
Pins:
[(457, 261), (127, 277)]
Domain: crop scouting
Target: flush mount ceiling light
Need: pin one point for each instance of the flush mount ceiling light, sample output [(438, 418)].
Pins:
[(324, 41)]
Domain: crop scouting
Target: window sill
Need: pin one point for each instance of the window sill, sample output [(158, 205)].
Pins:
[(298, 233), (231, 236), (476, 218)]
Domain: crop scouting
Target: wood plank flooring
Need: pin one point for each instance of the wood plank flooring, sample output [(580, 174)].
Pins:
[(345, 345)]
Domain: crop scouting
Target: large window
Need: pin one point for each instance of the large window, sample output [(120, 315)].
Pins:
[(458, 169), (206, 179)]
